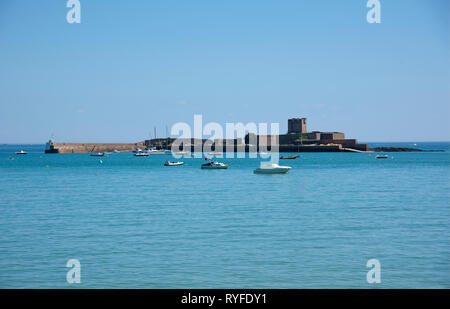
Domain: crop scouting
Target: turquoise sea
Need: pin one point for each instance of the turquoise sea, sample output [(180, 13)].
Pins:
[(133, 223)]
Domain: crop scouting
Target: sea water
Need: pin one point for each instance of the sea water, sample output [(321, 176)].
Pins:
[(134, 223)]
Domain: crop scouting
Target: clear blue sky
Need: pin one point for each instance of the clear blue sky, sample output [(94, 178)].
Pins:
[(133, 65)]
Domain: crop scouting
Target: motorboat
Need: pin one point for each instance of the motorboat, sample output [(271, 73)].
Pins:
[(289, 158), (213, 165), (21, 152), (153, 150), (381, 156), (272, 169), (169, 163), (98, 154), (141, 154), (116, 151)]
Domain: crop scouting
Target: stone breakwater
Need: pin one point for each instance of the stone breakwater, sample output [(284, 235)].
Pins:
[(91, 147), (100, 147), (401, 149)]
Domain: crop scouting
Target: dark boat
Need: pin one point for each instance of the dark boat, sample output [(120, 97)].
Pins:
[(289, 158), (213, 165), (382, 157)]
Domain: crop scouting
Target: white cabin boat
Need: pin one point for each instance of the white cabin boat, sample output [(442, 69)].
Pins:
[(272, 169), (169, 163), (213, 165)]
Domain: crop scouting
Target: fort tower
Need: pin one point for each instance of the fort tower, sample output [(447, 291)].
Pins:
[(297, 125)]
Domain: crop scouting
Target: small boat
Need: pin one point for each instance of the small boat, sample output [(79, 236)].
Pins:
[(153, 150), (272, 169), (213, 165), (98, 154), (137, 150), (289, 158), (21, 152), (168, 163), (382, 156), (116, 151), (141, 154)]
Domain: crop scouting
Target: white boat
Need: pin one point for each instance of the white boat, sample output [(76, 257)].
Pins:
[(168, 163), (98, 154), (215, 153), (153, 150), (272, 169), (137, 150), (213, 165), (21, 152), (141, 154), (116, 151)]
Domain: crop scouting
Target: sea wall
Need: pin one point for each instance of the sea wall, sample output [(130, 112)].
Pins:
[(94, 147), (98, 147), (281, 148)]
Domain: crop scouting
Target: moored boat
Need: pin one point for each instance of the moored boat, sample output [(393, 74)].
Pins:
[(289, 158), (21, 152), (153, 150), (213, 165), (272, 169), (98, 154), (141, 154), (169, 163), (381, 156)]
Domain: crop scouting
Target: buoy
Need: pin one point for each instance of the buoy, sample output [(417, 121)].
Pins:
[(46, 166), (101, 162)]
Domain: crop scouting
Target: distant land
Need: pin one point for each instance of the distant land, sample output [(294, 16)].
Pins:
[(297, 139)]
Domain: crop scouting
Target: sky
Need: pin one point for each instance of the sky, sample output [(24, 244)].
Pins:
[(130, 66)]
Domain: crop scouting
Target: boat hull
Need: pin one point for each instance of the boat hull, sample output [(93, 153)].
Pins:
[(271, 171), (221, 167), (289, 158), (174, 164)]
